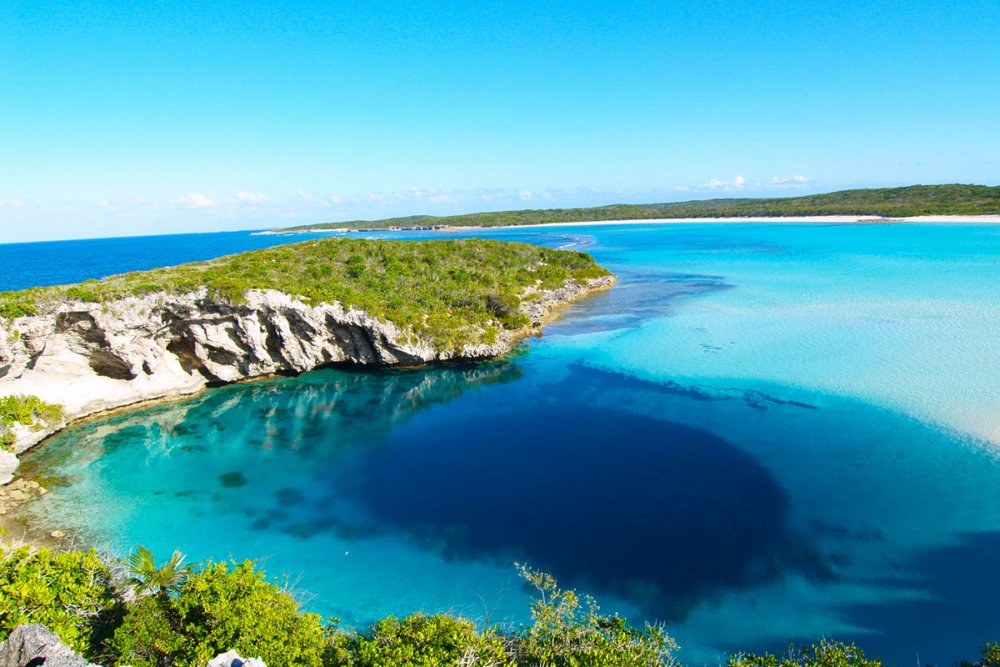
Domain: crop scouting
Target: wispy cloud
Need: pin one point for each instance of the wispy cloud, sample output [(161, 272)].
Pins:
[(252, 197), (790, 181), (740, 183), (721, 185), (194, 200), (204, 210)]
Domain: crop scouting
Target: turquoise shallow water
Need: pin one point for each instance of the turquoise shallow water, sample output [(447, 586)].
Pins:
[(764, 434)]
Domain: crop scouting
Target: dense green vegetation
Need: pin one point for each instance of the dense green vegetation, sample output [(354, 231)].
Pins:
[(220, 607), (837, 654), (71, 592), (26, 411), (823, 654), (452, 291), (137, 613), (889, 202)]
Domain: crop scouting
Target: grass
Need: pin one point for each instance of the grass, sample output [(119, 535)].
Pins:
[(452, 291), (890, 202)]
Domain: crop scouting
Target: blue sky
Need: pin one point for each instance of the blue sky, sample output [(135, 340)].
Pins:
[(160, 116)]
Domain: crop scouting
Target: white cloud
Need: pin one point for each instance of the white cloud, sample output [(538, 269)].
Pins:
[(739, 183), (789, 181), (446, 198), (304, 196), (335, 199), (252, 197), (194, 200)]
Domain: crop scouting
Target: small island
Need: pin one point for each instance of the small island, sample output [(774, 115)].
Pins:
[(67, 352)]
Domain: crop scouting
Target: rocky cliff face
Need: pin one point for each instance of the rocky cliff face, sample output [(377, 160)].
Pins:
[(33, 645), (91, 357)]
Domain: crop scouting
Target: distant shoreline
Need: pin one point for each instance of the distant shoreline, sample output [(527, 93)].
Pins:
[(789, 220), (807, 219)]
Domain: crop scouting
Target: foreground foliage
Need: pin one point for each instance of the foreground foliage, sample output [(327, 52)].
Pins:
[(890, 202), (990, 657), (115, 617), (148, 577), (450, 290), (568, 631), (422, 641), (224, 606), (26, 411), (71, 592), (823, 654)]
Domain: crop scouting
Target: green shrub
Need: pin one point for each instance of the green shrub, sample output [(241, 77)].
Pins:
[(83, 292), (223, 607), (13, 306), (823, 654), (569, 632), (423, 641), (26, 411), (990, 657), (148, 636), (69, 592), (506, 308)]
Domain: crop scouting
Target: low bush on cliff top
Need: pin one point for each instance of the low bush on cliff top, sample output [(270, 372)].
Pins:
[(26, 411), (450, 290)]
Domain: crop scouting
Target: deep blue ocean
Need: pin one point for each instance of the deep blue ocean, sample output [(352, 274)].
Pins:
[(763, 434), (25, 265)]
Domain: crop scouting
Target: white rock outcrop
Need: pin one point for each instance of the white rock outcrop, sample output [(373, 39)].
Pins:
[(233, 659), (8, 464), (33, 645), (90, 357)]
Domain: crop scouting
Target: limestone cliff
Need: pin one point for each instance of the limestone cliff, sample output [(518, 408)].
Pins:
[(91, 357)]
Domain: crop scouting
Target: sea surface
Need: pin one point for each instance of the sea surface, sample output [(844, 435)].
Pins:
[(764, 434), (24, 265)]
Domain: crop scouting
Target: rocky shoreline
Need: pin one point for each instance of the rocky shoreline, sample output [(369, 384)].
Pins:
[(90, 358)]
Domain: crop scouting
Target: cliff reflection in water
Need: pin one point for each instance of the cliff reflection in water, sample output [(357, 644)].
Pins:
[(322, 410)]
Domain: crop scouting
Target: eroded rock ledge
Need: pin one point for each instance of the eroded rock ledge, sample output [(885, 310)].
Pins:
[(93, 357)]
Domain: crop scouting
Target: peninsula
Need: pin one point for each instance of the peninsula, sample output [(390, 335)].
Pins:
[(876, 203), (76, 350)]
